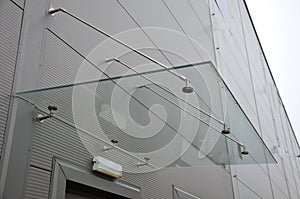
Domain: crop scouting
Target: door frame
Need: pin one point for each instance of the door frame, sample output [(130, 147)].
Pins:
[(63, 171)]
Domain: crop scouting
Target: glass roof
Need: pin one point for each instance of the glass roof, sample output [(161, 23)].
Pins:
[(146, 111)]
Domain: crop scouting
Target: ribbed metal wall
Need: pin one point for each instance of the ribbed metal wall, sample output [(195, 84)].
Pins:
[(38, 183), (10, 23)]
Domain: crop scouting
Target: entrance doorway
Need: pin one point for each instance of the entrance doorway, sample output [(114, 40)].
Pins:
[(79, 191)]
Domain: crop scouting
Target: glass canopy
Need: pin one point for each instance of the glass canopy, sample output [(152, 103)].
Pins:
[(146, 111)]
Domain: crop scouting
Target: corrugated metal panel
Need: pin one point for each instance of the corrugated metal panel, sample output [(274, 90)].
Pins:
[(197, 181), (56, 139), (58, 57), (10, 23), (38, 183), (19, 3)]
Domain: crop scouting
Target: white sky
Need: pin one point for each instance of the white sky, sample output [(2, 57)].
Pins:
[(278, 25)]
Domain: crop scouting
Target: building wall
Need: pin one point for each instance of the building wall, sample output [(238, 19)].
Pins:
[(242, 63), (10, 21), (52, 53), (60, 139)]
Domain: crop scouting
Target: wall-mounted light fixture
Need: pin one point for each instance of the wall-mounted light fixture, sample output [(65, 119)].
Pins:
[(107, 167), (42, 118), (114, 143)]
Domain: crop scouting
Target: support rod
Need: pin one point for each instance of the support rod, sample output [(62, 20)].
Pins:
[(53, 11)]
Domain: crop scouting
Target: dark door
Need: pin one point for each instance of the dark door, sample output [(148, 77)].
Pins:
[(79, 191)]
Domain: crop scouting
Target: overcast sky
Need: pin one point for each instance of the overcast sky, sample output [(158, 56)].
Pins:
[(278, 25)]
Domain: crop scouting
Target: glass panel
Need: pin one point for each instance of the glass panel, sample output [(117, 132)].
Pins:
[(150, 116), (244, 132)]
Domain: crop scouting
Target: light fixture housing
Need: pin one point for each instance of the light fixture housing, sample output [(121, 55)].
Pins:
[(107, 167)]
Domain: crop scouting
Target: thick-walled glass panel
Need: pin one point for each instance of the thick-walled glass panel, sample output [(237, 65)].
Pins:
[(153, 115), (244, 132)]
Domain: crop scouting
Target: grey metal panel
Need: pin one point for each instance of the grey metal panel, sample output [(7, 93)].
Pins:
[(194, 19), (58, 57), (16, 152), (151, 14), (84, 39), (232, 60), (38, 183), (106, 15), (255, 177), (211, 182), (55, 139), (156, 18), (19, 3), (278, 194), (31, 45), (244, 192), (235, 81), (10, 23)]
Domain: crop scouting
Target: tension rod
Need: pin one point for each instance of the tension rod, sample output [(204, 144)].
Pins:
[(52, 11)]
